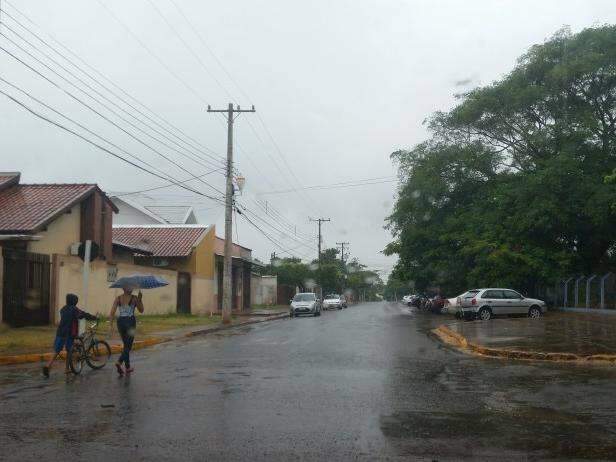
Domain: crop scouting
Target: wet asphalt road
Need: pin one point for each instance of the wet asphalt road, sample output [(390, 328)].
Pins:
[(364, 383)]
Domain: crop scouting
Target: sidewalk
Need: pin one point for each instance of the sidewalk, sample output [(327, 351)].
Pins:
[(556, 336), (151, 338)]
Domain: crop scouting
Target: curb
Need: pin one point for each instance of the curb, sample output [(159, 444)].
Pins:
[(139, 344), (209, 330), (449, 337)]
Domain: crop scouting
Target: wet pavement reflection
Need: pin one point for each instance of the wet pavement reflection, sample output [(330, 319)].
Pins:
[(367, 383), (581, 334)]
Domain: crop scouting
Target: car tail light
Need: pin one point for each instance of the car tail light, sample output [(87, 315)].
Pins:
[(474, 301)]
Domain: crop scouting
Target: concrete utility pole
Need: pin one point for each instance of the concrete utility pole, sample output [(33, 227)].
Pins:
[(230, 114), (342, 244), (319, 221)]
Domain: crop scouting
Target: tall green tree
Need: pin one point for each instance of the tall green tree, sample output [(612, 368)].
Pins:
[(510, 188)]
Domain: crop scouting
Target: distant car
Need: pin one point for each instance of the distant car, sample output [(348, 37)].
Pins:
[(486, 303), (334, 301), (305, 303), (407, 299)]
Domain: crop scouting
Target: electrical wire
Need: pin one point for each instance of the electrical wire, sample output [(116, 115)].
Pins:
[(83, 127), (167, 185), (196, 144), (269, 238), (68, 60), (80, 101), (102, 148), (333, 186), (96, 99)]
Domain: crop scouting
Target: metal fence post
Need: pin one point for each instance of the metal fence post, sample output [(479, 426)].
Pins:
[(566, 293), (577, 290), (588, 289), (603, 278)]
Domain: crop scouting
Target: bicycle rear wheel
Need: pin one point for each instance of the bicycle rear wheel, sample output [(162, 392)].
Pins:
[(98, 354), (76, 357)]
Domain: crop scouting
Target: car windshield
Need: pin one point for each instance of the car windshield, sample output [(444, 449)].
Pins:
[(304, 298), (332, 296)]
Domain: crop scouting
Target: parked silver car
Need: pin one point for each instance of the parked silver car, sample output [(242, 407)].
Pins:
[(334, 301), (305, 303), (485, 303)]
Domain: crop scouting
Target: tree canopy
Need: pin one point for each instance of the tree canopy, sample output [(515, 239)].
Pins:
[(332, 275), (513, 188)]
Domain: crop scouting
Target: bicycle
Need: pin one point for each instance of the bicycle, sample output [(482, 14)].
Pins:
[(87, 348)]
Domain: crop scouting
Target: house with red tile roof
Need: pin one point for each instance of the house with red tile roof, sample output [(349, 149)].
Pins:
[(38, 222), (196, 253)]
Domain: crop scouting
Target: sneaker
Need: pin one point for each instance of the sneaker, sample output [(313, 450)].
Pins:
[(119, 369), (46, 371)]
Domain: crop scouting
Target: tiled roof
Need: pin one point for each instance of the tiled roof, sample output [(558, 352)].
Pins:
[(162, 241), (26, 208)]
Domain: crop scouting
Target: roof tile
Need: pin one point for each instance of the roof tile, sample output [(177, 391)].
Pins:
[(25, 208), (164, 241)]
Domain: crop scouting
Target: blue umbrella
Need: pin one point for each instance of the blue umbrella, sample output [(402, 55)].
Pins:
[(139, 281)]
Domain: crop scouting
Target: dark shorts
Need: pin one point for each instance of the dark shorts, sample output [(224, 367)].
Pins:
[(62, 342)]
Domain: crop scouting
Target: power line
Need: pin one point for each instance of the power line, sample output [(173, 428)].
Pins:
[(190, 50), (299, 241), (97, 100), (80, 101), (102, 148), (343, 185), (83, 127), (207, 71), (196, 144), (269, 238), (167, 185), (68, 60)]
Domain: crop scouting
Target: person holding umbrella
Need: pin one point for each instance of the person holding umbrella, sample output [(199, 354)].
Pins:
[(125, 304)]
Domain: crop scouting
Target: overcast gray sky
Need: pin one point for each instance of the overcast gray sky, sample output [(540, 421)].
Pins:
[(338, 84)]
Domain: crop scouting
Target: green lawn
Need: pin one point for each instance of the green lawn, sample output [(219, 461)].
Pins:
[(39, 339)]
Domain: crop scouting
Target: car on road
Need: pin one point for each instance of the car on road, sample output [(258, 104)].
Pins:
[(484, 304), (305, 303), (334, 301), (407, 299)]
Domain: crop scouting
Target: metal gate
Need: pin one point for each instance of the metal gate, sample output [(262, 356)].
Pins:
[(184, 293), (25, 294)]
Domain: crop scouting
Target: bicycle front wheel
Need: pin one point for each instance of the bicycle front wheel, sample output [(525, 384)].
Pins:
[(98, 354), (76, 357)]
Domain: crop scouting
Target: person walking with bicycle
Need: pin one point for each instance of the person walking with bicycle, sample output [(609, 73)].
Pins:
[(68, 329), (125, 305)]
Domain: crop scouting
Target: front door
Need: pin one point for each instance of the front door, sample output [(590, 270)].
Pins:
[(183, 293), (515, 302), (494, 299), (25, 294)]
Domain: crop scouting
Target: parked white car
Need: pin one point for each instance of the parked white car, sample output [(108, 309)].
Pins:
[(305, 303), (406, 299), (334, 301), (486, 303)]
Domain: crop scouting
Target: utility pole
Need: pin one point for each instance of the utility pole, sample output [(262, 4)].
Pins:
[(319, 221), (344, 269), (342, 244), (230, 114)]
